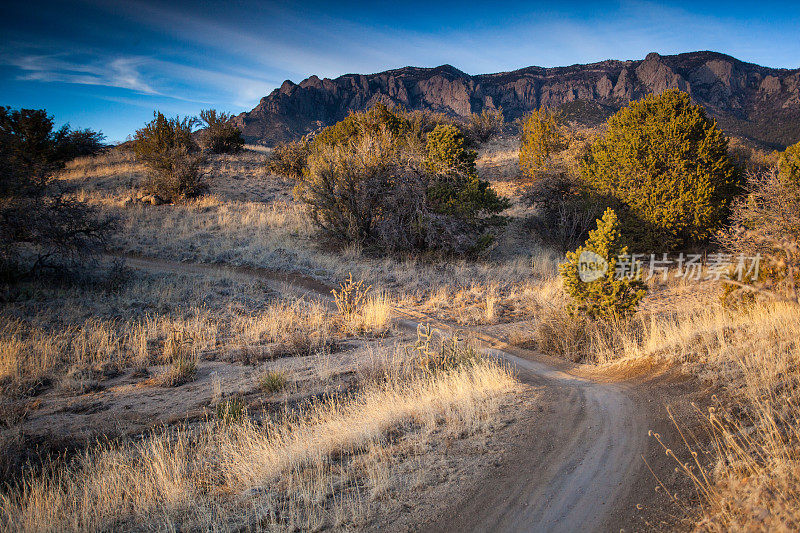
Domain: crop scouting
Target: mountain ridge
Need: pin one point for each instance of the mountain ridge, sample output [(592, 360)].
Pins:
[(758, 103)]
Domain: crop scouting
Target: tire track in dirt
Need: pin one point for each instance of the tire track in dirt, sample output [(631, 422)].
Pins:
[(575, 472)]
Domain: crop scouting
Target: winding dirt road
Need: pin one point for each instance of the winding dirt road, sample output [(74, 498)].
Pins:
[(578, 471), (578, 475)]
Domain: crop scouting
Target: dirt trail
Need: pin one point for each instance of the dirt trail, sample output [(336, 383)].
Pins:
[(579, 477), (577, 471)]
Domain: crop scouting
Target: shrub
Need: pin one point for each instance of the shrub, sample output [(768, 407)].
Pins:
[(79, 143), (289, 159), (433, 354), (766, 222), (351, 296), (565, 210), (447, 152), (32, 150), (750, 157), (166, 146), (36, 220), (420, 123), (368, 180), (481, 128), (220, 135), (179, 372), (668, 165), (613, 294), (347, 188), (542, 136), (376, 119), (181, 357), (789, 164)]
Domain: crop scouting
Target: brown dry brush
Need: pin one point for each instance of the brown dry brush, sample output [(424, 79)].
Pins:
[(372, 193), (375, 179), (565, 209), (765, 222), (482, 127), (289, 159)]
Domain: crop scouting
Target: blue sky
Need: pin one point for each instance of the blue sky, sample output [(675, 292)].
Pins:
[(108, 65)]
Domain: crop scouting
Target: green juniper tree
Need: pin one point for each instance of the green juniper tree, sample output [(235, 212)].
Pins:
[(667, 166), (610, 295)]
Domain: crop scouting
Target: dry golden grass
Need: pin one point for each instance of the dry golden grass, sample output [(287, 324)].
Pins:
[(192, 478), (749, 477), (114, 164), (323, 468), (30, 353), (362, 310), (522, 289), (50, 338), (752, 482), (374, 317), (296, 327)]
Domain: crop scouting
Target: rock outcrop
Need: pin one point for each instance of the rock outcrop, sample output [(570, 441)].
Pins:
[(751, 101)]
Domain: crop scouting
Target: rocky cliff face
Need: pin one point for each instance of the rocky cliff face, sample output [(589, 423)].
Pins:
[(759, 103)]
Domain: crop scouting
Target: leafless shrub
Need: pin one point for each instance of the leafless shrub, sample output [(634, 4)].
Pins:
[(566, 211), (766, 223), (482, 127), (51, 229), (289, 159)]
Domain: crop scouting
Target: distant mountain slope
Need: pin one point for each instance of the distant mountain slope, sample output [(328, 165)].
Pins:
[(751, 101)]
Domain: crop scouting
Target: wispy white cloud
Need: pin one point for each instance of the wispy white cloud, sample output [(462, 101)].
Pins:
[(121, 72), (142, 75), (297, 43)]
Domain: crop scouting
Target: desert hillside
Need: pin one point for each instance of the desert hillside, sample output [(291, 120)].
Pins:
[(418, 299), (228, 357)]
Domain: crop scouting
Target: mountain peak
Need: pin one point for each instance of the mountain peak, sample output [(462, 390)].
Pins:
[(749, 100)]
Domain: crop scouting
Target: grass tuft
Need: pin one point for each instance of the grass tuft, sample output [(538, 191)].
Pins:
[(272, 381)]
